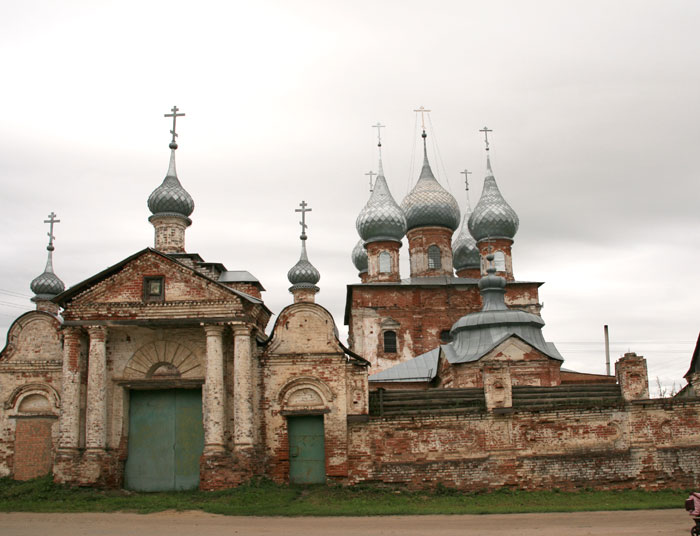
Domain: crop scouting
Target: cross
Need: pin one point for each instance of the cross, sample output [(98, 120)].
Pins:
[(303, 211), (422, 111), (52, 219), (379, 128), (466, 178), (174, 115), (486, 131), (371, 174)]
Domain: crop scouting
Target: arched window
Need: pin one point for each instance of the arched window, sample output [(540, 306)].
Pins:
[(434, 260), (389, 342), (499, 260), (384, 262)]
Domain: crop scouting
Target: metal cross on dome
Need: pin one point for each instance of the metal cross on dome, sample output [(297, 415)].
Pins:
[(379, 128), (303, 211), (174, 115), (466, 178), (486, 131), (422, 111), (371, 174), (52, 219)]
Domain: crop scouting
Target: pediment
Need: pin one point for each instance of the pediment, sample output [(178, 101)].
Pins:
[(304, 328), (125, 283), (34, 336), (514, 349)]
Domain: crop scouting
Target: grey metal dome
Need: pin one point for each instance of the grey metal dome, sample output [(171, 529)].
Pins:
[(429, 204), (465, 254), (47, 285), (492, 216), (303, 274), (170, 197), (381, 218), (359, 256)]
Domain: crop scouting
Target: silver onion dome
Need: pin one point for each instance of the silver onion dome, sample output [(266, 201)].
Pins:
[(303, 274), (359, 256), (465, 254), (47, 285), (381, 218), (429, 204), (492, 216), (170, 197)]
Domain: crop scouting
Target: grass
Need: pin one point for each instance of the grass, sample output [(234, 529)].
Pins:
[(264, 498)]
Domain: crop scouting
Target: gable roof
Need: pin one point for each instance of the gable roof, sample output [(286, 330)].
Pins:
[(73, 291), (695, 360)]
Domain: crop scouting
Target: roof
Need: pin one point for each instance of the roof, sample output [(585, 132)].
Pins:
[(238, 276), (73, 291), (419, 369), (483, 340), (695, 360)]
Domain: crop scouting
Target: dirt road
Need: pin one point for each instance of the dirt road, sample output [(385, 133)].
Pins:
[(645, 522)]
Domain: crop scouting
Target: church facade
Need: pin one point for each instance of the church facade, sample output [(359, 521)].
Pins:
[(161, 372)]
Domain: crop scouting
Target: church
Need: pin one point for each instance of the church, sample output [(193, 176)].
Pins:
[(163, 373)]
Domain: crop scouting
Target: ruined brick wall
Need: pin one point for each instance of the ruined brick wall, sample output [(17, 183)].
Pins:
[(418, 314), (651, 445), (30, 387)]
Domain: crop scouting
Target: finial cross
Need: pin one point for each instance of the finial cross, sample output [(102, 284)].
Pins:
[(466, 178), (303, 211), (371, 174), (422, 111), (52, 219), (379, 128), (174, 115), (486, 131)]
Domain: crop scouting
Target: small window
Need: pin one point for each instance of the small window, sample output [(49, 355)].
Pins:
[(384, 262), (445, 336), (153, 289), (389, 342), (434, 260), (499, 260)]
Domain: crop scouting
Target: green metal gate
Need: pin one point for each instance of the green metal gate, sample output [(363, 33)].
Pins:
[(166, 439), (307, 454)]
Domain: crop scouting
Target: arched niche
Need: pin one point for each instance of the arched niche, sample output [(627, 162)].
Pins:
[(164, 359), (305, 394), (33, 399)]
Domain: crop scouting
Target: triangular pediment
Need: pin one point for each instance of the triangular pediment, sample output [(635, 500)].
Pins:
[(126, 283)]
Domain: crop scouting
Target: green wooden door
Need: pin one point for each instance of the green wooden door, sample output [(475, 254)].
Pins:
[(307, 454), (166, 438)]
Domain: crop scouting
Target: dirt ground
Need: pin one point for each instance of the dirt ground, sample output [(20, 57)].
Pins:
[(646, 522)]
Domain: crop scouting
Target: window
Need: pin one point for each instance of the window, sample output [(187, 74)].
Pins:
[(384, 262), (153, 289), (434, 260), (389, 342), (499, 260)]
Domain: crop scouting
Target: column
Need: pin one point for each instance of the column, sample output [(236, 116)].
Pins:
[(215, 393), (69, 424), (242, 388), (96, 416)]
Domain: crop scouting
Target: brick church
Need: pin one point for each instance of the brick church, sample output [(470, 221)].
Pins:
[(162, 373)]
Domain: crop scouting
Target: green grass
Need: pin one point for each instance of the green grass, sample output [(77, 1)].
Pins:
[(265, 498)]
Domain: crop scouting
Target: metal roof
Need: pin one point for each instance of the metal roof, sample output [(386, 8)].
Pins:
[(492, 216), (237, 276), (381, 218), (422, 368)]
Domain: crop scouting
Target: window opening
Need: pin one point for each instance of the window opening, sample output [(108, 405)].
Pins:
[(499, 260), (389, 342), (384, 262), (434, 258), (153, 289)]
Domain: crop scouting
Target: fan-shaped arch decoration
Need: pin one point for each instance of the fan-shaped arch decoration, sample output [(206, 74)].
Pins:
[(305, 393), (164, 358)]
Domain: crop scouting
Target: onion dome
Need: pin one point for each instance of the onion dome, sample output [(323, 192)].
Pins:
[(465, 254), (303, 274), (48, 285), (359, 257), (492, 216), (381, 218), (170, 198), (429, 204)]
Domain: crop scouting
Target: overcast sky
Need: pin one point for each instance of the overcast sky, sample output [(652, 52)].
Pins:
[(594, 107)]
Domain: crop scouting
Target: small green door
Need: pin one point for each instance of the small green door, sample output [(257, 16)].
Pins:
[(307, 454), (166, 439)]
